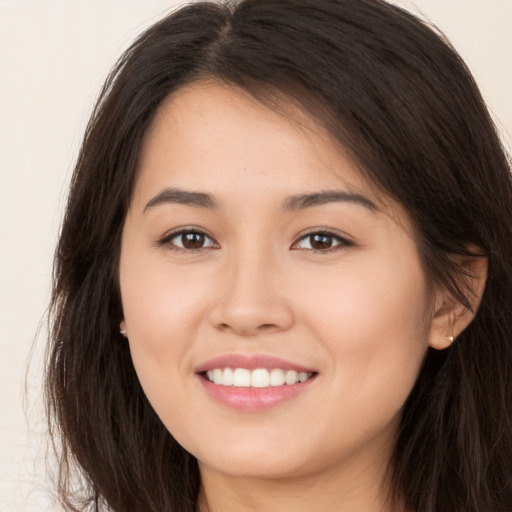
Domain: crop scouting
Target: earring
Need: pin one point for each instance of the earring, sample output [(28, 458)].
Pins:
[(450, 338), (123, 332)]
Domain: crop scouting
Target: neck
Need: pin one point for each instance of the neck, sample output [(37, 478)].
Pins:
[(353, 487)]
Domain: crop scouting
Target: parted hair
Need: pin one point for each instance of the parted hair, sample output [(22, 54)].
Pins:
[(392, 90)]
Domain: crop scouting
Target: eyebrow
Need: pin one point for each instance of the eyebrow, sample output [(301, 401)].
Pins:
[(293, 203), (179, 196), (301, 202)]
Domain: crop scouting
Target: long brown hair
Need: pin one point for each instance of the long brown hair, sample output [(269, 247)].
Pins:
[(401, 100)]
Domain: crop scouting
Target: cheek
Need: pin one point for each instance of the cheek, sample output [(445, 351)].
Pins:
[(371, 320), (378, 297), (159, 297), (160, 321), (161, 309)]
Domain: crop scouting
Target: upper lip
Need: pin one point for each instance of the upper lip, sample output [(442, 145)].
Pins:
[(250, 362)]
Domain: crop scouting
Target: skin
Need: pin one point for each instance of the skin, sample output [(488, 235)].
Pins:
[(359, 313)]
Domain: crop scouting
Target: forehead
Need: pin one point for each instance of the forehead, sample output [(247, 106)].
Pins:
[(209, 135)]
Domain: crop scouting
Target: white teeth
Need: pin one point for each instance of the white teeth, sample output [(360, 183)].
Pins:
[(242, 378), (291, 377), (217, 376), (227, 377), (277, 377), (303, 377), (259, 378)]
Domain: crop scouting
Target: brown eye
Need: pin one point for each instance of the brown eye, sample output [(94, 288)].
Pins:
[(192, 240), (189, 240), (321, 242)]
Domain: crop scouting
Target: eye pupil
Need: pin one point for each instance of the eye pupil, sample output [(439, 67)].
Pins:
[(193, 240), (319, 241)]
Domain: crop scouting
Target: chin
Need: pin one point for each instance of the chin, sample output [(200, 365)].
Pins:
[(269, 467)]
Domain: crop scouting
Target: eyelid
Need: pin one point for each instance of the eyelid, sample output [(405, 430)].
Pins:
[(344, 240), (167, 238)]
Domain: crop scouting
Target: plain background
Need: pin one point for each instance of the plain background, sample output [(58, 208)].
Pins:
[(54, 55)]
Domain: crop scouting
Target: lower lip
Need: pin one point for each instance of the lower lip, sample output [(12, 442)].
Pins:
[(254, 399)]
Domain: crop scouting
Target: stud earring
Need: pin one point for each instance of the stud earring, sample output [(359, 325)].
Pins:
[(450, 338), (123, 332)]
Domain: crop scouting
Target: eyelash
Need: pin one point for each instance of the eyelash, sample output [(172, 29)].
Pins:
[(340, 242), (167, 240)]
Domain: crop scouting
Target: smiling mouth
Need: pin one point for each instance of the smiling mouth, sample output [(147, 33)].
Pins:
[(257, 378)]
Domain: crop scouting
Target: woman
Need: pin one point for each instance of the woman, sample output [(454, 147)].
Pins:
[(284, 275)]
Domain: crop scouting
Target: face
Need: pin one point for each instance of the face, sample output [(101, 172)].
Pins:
[(275, 307)]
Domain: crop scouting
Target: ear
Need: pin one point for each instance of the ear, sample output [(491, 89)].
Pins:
[(450, 316)]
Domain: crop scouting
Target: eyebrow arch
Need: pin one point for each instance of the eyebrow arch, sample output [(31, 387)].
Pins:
[(293, 203), (301, 202), (179, 196)]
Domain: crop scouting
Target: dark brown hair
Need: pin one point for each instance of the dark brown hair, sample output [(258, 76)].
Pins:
[(401, 100)]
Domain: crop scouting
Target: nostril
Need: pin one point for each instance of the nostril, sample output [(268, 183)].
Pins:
[(251, 318), (246, 330)]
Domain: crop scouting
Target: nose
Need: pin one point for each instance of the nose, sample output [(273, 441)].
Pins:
[(251, 298)]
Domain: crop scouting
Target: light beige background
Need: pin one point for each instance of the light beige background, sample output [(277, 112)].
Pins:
[(54, 55)]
